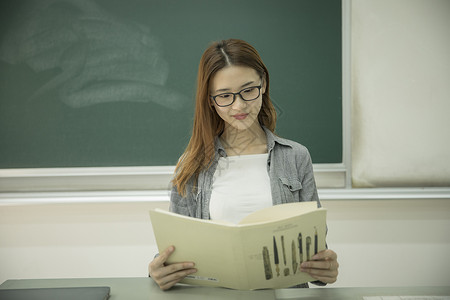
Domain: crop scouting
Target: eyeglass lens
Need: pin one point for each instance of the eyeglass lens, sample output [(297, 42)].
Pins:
[(247, 94)]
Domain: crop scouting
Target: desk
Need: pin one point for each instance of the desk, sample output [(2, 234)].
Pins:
[(145, 289)]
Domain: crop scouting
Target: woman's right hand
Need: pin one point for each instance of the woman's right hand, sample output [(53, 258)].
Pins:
[(165, 275)]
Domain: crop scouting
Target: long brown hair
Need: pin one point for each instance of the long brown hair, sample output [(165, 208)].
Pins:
[(199, 153)]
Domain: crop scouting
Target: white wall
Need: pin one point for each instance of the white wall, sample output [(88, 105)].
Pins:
[(76, 240), (379, 243), (391, 242)]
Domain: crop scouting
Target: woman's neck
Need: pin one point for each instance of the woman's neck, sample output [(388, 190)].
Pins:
[(243, 142)]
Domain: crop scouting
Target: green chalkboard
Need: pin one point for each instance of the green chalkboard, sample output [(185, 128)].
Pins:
[(111, 82)]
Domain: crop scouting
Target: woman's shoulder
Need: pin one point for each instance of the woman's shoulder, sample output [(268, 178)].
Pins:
[(295, 145), (290, 145)]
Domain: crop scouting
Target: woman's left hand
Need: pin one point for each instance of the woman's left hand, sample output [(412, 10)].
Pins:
[(323, 266)]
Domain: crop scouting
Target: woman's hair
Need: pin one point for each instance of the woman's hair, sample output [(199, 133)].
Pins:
[(199, 153)]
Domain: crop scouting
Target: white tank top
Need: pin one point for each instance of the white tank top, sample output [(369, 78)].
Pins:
[(241, 185)]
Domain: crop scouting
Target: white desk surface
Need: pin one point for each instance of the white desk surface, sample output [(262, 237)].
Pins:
[(145, 289)]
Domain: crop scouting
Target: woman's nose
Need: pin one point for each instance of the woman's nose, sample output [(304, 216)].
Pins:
[(238, 102)]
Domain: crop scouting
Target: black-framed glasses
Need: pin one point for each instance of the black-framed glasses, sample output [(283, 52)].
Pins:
[(248, 94)]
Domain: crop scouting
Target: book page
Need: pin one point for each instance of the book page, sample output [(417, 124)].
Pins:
[(207, 244), (279, 212)]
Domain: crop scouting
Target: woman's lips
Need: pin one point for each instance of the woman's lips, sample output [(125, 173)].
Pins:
[(240, 116)]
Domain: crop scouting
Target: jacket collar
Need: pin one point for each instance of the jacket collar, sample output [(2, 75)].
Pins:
[(271, 140), (219, 148)]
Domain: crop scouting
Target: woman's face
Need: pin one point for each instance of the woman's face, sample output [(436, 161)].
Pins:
[(241, 114)]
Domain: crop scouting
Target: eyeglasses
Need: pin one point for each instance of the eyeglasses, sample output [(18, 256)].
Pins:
[(247, 94)]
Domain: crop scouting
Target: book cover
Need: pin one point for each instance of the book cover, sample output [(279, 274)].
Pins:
[(264, 250)]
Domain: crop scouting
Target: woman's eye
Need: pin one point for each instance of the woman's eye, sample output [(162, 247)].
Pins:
[(249, 90), (225, 96)]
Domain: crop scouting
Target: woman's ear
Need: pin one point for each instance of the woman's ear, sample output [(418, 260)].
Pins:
[(212, 107), (263, 85)]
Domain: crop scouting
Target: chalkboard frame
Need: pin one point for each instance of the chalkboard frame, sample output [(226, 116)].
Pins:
[(335, 175)]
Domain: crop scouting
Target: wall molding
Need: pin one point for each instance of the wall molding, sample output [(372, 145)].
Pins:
[(39, 198), (122, 178)]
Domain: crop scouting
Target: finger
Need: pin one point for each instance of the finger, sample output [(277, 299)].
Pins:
[(319, 264), (325, 279), (162, 258), (168, 285), (172, 271), (326, 276), (172, 278), (325, 255), (176, 268), (321, 272)]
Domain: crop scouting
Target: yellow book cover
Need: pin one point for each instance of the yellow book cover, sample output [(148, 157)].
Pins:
[(264, 250)]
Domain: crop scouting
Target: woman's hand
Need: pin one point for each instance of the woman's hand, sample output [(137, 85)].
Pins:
[(323, 266), (167, 276)]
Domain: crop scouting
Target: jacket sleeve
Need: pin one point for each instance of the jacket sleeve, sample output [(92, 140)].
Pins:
[(305, 168), (179, 204)]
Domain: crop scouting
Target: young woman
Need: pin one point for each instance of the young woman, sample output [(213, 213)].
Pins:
[(234, 164)]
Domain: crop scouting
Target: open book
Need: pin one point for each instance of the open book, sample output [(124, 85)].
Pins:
[(264, 250)]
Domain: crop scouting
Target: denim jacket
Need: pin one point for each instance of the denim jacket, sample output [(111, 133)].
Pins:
[(290, 171)]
